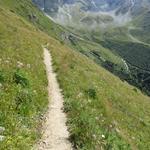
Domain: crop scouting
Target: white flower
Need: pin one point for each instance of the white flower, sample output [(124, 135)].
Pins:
[(111, 126), (101, 115), (117, 130), (2, 129), (79, 95), (19, 64), (103, 136), (94, 136), (7, 61), (96, 118), (2, 138), (28, 66)]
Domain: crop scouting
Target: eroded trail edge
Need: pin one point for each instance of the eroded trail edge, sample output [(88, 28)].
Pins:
[(55, 134)]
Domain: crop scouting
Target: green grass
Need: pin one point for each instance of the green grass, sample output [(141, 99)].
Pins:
[(96, 52), (116, 110), (31, 13), (103, 112), (23, 95)]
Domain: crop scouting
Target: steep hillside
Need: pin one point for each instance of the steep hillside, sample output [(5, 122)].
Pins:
[(103, 112), (40, 21), (113, 24), (142, 30), (22, 81)]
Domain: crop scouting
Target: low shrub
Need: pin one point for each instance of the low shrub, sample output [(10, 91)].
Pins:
[(2, 78), (20, 78), (23, 101), (91, 92)]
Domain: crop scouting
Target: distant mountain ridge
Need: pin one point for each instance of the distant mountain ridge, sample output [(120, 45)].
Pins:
[(95, 5), (84, 12)]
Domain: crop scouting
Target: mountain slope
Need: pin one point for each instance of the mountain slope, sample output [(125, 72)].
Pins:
[(115, 25), (22, 81), (142, 24), (100, 104), (103, 112)]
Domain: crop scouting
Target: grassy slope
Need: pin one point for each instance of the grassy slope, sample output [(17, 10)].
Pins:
[(97, 102), (96, 52), (23, 81), (30, 13)]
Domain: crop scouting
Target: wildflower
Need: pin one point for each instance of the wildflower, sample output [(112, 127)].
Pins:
[(117, 130), (19, 64), (80, 95), (28, 66), (94, 136), (111, 126), (2, 138), (6, 61), (97, 118), (2, 129)]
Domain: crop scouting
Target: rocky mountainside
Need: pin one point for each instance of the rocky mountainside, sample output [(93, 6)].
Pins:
[(96, 5), (93, 12)]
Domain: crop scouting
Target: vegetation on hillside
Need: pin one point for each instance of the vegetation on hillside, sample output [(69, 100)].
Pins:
[(103, 112), (23, 92), (137, 56), (142, 24)]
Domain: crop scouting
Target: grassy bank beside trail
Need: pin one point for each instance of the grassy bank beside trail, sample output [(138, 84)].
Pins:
[(23, 93), (103, 112)]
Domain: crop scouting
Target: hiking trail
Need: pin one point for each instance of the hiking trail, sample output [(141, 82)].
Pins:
[(55, 134)]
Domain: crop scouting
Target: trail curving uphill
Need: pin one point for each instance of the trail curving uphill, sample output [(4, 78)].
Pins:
[(55, 134)]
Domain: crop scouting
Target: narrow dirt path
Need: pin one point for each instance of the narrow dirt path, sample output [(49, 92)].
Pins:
[(55, 134)]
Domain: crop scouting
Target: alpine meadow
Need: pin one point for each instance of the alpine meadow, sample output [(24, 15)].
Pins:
[(74, 74)]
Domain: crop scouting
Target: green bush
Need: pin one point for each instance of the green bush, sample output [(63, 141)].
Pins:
[(2, 78), (23, 101), (91, 92), (20, 78)]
